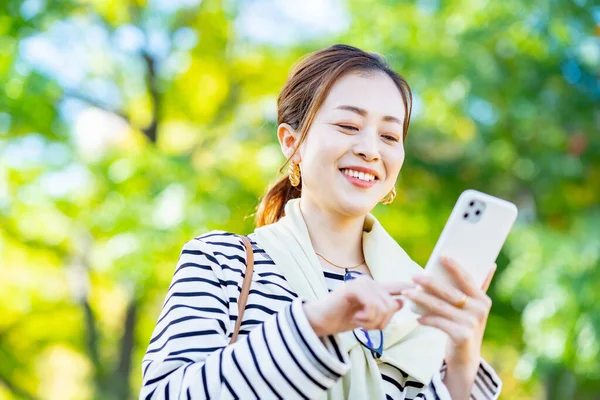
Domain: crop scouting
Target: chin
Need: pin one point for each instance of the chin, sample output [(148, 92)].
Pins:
[(356, 206)]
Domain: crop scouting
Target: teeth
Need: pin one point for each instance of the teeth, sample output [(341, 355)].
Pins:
[(360, 175)]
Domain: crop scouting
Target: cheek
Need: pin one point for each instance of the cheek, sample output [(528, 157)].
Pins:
[(324, 144), (401, 158), (396, 160)]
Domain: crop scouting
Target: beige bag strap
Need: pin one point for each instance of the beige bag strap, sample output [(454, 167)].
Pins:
[(243, 299)]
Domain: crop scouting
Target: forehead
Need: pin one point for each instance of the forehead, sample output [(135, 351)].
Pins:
[(374, 92)]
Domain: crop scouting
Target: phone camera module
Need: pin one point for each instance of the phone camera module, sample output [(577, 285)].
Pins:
[(474, 211)]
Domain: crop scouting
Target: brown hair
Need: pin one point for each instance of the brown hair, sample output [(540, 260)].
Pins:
[(303, 93)]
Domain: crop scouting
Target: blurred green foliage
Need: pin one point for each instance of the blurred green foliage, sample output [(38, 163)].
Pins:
[(128, 127)]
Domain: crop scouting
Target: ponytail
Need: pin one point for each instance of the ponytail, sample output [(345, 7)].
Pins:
[(272, 205)]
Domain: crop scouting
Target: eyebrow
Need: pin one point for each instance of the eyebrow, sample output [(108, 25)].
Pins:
[(362, 112)]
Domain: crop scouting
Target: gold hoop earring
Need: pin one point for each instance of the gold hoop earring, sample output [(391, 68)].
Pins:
[(390, 196), (294, 174)]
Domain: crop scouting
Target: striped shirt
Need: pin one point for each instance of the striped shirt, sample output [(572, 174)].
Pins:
[(277, 353)]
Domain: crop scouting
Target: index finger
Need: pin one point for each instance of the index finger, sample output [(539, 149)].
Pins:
[(396, 288), (461, 277)]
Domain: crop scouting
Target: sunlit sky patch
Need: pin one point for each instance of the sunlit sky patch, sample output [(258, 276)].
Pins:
[(284, 22)]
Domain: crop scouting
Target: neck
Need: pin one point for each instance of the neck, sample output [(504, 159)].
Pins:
[(334, 236)]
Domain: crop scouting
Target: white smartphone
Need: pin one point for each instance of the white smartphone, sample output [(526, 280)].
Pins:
[(473, 236)]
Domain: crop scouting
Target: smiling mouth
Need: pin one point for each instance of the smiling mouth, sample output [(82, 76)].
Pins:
[(361, 176)]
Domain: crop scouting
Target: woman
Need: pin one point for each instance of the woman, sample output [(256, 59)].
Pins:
[(324, 317)]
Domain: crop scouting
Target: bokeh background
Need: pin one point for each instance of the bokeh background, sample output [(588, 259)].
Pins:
[(128, 127)]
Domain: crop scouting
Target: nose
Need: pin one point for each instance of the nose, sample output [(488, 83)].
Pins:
[(367, 145)]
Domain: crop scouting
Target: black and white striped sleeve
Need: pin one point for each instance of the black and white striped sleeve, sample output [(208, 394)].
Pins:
[(487, 385), (189, 357)]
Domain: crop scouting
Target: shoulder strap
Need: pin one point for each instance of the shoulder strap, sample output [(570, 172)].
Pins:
[(243, 299)]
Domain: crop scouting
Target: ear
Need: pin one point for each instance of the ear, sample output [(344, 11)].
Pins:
[(288, 140)]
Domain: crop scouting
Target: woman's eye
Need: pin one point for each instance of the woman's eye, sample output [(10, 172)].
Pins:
[(349, 127), (392, 138)]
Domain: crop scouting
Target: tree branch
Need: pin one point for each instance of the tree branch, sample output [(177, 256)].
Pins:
[(92, 334), (151, 131), (79, 274), (123, 368), (93, 102)]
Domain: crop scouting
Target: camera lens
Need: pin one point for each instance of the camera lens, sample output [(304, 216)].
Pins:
[(466, 215), (477, 212), (471, 204)]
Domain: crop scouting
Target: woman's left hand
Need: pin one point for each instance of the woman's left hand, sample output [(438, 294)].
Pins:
[(460, 312)]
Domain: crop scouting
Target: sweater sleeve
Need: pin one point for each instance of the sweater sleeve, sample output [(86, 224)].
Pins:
[(189, 356), (487, 385)]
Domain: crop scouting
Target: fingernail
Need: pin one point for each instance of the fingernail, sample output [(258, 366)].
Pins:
[(448, 261), (410, 292), (420, 278)]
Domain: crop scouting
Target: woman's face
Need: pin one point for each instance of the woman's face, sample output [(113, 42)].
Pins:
[(357, 129)]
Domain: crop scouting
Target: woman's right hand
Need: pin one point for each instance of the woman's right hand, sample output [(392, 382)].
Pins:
[(361, 302)]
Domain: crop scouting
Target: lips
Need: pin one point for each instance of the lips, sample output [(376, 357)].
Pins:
[(364, 184), (364, 176)]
